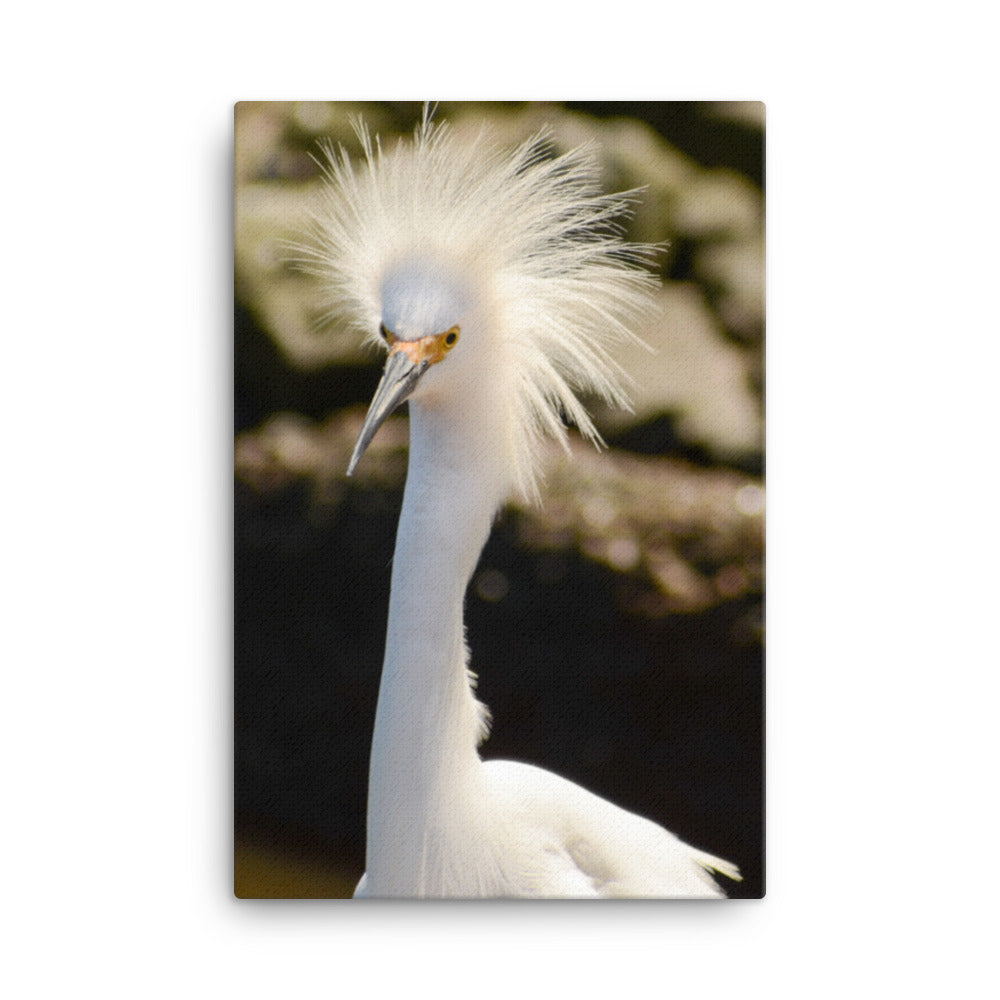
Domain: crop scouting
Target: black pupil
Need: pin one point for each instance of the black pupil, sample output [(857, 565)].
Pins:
[(450, 339)]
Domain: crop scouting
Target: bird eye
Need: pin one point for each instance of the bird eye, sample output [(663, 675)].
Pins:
[(451, 337), (383, 331)]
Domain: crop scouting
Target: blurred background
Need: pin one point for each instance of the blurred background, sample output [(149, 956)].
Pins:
[(617, 629)]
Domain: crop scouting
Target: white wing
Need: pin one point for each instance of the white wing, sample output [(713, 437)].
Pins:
[(570, 842)]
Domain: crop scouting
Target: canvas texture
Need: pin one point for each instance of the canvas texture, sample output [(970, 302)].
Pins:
[(572, 663)]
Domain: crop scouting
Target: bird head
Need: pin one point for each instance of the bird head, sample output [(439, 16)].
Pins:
[(477, 267), (424, 307)]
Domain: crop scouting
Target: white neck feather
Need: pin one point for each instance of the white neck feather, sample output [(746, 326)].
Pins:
[(424, 763)]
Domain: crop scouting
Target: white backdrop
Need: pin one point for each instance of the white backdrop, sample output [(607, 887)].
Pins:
[(116, 406)]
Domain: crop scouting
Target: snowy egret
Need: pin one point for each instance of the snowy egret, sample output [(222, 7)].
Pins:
[(499, 284)]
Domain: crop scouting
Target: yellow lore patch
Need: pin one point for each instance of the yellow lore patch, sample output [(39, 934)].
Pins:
[(431, 349)]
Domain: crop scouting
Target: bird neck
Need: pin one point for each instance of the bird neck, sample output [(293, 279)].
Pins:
[(424, 762)]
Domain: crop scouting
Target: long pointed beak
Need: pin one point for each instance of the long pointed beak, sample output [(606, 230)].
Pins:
[(399, 379)]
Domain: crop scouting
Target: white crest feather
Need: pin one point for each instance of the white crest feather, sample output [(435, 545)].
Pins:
[(528, 228)]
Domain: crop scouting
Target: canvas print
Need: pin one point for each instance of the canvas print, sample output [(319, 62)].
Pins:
[(499, 500)]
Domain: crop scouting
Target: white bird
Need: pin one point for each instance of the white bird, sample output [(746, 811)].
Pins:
[(499, 283)]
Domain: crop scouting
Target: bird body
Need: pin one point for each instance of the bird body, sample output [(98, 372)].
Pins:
[(498, 283), (525, 832)]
